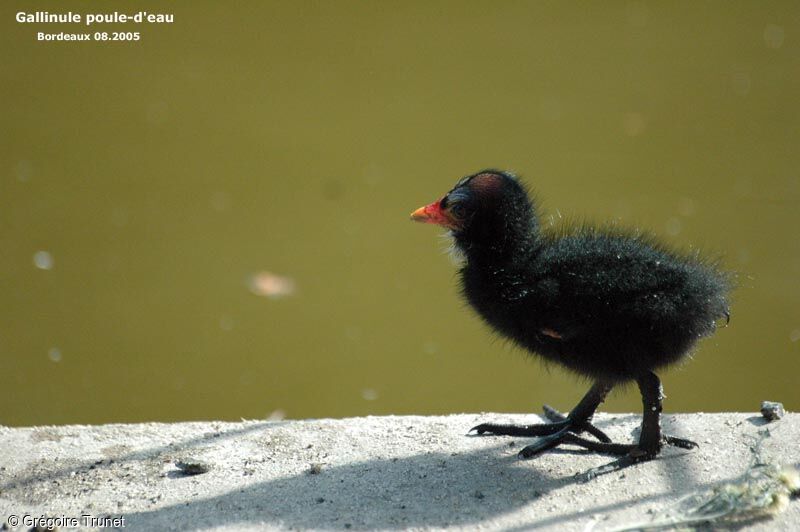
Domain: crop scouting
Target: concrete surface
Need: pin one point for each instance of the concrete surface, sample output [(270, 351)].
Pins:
[(370, 473)]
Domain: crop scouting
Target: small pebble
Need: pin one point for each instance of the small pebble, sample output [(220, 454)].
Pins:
[(771, 410), (193, 467)]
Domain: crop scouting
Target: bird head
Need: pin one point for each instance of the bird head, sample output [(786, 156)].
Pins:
[(485, 207)]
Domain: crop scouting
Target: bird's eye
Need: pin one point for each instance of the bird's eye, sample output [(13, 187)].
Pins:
[(457, 210)]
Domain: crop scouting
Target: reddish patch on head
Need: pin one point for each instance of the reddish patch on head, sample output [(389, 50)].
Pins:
[(486, 183)]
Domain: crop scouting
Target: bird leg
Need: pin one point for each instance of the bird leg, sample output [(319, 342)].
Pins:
[(651, 439), (578, 420), (565, 429)]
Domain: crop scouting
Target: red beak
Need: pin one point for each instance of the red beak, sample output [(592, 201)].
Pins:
[(434, 214)]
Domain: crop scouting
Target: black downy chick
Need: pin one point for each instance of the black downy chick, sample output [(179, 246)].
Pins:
[(606, 304)]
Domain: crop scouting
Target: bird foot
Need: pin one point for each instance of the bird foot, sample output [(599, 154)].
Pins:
[(559, 424), (565, 430), (636, 454), (631, 453)]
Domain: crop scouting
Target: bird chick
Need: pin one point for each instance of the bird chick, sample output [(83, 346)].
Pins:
[(609, 305)]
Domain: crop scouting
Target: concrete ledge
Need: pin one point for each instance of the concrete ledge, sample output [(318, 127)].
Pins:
[(370, 473)]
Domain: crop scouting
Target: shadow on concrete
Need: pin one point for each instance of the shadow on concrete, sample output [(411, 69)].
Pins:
[(49, 473), (435, 489), (758, 421), (392, 493)]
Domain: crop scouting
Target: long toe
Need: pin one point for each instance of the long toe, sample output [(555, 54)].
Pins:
[(518, 430), (541, 429), (565, 436), (591, 429), (543, 444), (646, 452)]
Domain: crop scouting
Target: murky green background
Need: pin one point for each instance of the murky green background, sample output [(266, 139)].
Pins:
[(143, 185)]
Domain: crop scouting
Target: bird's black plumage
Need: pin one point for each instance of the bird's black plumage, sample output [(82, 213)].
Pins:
[(608, 304)]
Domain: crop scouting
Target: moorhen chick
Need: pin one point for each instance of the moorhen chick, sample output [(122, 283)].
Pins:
[(610, 305)]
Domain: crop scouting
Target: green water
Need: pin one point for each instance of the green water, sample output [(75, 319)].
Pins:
[(144, 184)]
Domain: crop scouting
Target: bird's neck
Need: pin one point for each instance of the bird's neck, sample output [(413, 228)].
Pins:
[(509, 240), (495, 275)]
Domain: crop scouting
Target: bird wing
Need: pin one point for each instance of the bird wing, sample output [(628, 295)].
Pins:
[(574, 286)]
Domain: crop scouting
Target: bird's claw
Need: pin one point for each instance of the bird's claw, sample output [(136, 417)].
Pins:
[(497, 429), (483, 428), (680, 442)]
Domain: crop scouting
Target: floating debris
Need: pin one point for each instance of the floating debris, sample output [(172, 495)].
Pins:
[(774, 36), (43, 260), (220, 201), (634, 124), (226, 323), (54, 354), (24, 170), (368, 394), (273, 286)]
